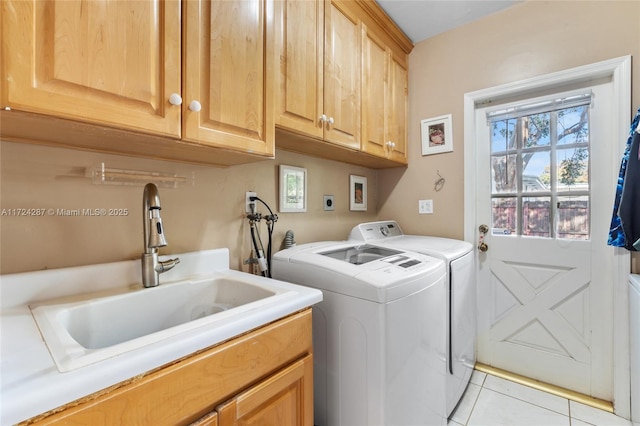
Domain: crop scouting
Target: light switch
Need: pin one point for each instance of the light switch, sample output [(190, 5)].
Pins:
[(425, 206)]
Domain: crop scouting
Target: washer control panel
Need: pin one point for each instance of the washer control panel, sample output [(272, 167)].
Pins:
[(402, 261), (375, 231)]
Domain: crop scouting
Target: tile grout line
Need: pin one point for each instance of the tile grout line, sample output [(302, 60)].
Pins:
[(475, 401), (542, 407)]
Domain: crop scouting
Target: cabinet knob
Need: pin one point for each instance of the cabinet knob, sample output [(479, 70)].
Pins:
[(175, 99), (330, 120), (195, 106), (323, 118)]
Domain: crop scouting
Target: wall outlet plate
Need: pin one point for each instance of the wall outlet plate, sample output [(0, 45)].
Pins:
[(328, 203), (425, 206), (248, 202)]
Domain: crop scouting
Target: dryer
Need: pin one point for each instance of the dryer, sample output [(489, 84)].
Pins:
[(379, 332), (461, 288)]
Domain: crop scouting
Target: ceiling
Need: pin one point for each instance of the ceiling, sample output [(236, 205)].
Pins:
[(421, 19)]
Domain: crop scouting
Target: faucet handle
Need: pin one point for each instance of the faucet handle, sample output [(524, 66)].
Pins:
[(165, 265)]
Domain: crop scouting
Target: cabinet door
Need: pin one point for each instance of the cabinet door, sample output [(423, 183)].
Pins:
[(397, 112), (299, 45), (342, 77), (228, 71), (384, 100), (375, 96), (113, 63), (284, 399)]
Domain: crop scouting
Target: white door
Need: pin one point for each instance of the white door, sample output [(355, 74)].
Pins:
[(544, 187)]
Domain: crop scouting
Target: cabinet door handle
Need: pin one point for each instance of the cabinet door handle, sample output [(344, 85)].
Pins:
[(330, 121), (175, 99), (195, 106)]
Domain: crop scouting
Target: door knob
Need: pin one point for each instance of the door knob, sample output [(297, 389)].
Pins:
[(482, 246)]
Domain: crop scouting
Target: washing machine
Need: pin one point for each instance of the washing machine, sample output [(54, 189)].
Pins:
[(379, 337), (461, 298)]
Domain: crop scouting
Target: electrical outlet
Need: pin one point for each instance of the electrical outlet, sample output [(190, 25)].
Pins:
[(248, 203), (329, 203), (425, 206)]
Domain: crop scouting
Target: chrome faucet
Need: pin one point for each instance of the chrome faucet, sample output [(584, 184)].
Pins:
[(153, 238)]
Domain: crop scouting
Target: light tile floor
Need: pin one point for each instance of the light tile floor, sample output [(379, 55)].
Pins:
[(492, 401)]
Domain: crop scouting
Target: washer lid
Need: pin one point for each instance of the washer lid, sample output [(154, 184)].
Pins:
[(360, 254), (386, 275)]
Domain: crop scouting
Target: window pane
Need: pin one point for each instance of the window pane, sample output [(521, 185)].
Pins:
[(573, 218), (535, 216), (535, 174), (537, 130), (573, 169), (503, 174), (573, 125), (502, 135), (504, 216)]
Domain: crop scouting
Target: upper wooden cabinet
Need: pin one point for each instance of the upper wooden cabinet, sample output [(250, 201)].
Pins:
[(111, 63), (338, 82), (300, 74), (136, 77), (228, 71), (196, 71), (319, 74), (384, 100), (342, 75)]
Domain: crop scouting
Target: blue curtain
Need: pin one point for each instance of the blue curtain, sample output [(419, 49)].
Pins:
[(616, 232)]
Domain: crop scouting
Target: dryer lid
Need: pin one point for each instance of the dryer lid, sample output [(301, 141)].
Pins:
[(389, 234)]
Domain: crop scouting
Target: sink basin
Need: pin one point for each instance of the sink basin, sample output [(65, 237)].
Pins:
[(111, 320), (80, 332)]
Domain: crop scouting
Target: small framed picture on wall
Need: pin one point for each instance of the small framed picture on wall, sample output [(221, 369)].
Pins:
[(437, 136), (357, 193)]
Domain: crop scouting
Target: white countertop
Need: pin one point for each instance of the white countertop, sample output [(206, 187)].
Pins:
[(30, 383)]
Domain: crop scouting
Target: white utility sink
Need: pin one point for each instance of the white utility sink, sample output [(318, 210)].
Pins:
[(70, 332), (81, 331)]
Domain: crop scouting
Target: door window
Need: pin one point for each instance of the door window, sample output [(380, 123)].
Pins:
[(540, 171)]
